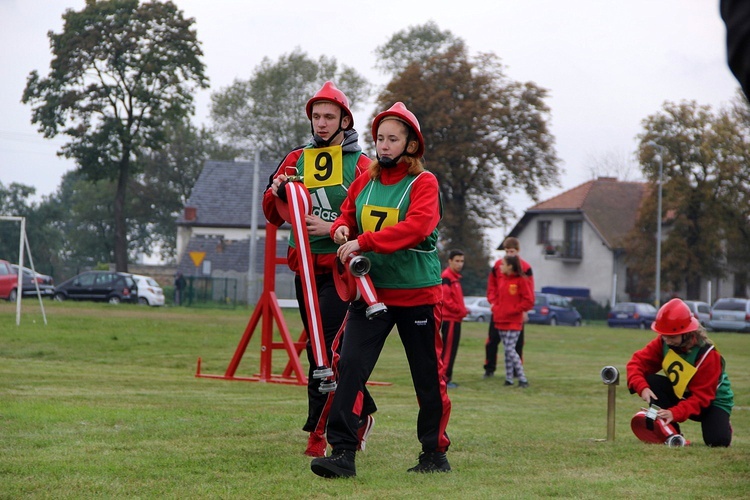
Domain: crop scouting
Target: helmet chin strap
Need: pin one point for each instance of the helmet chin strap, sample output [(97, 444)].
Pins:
[(319, 142), (388, 162), (683, 346)]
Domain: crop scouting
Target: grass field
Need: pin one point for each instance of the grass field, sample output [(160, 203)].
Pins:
[(103, 403)]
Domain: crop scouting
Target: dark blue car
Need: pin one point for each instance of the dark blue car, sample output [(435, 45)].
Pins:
[(631, 315), (552, 309)]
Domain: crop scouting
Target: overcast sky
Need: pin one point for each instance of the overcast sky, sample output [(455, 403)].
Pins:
[(608, 64)]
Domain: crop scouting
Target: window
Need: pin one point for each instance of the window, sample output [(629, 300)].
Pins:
[(740, 284), (542, 232), (86, 279), (104, 279), (573, 239)]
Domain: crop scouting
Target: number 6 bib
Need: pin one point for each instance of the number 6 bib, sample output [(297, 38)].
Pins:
[(679, 372)]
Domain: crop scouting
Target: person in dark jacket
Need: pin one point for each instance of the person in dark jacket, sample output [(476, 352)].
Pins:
[(736, 16)]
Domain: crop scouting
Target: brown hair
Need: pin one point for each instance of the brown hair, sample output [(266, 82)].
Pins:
[(515, 264), (416, 166), (699, 335), (511, 242)]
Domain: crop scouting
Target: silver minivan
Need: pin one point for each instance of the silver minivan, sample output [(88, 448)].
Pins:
[(700, 310), (730, 315)]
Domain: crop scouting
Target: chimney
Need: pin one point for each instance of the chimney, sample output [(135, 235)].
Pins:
[(191, 213)]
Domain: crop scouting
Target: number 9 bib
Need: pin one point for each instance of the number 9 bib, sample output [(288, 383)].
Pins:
[(323, 167)]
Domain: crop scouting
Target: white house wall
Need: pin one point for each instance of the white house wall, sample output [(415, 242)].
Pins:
[(594, 271)]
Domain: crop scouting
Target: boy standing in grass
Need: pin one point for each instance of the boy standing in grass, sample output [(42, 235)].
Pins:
[(454, 311)]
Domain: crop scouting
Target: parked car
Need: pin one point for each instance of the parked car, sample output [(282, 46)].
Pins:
[(730, 315), (111, 286), (149, 291), (479, 309), (8, 281), (553, 309), (700, 310), (46, 283), (631, 315)]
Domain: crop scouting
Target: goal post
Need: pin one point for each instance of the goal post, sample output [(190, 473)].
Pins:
[(23, 243)]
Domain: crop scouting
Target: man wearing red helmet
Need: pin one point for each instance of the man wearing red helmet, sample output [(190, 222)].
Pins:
[(696, 386), (327, 165), (391, 217)]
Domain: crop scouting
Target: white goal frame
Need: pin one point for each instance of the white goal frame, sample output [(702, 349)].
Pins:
[(23, 242)]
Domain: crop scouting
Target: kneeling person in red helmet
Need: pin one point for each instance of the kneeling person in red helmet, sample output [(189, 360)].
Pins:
[(695, 387)]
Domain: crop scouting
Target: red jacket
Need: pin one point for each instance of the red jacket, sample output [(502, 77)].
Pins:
[(454, 308), (513, 296), (495, 274), (322, 263), (422, 218), (702, 386)]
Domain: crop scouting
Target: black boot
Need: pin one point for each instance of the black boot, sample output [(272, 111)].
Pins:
[(431, 461), (339, 464)]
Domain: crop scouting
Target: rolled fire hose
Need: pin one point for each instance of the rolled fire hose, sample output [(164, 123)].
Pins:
[(298, 205), (353, 283)]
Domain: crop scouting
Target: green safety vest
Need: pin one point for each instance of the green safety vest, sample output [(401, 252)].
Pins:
[(724, 395), (327, 201), (416, 267)]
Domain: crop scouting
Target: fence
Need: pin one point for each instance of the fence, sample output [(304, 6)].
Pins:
[(211, 292)]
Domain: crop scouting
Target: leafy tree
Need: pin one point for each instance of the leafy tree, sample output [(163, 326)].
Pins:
[(267, 111), (417, 43), (486, 135), (121, 72), (169, 174), (43, 239), (705, 197), (87, 224)]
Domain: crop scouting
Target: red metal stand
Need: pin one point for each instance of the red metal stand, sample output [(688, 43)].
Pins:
[(269, 310)]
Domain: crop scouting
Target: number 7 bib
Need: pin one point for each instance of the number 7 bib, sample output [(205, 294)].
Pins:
[(375, 218)]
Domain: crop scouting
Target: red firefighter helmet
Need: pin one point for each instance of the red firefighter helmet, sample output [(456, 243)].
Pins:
[(399, 111), (329, 92), (675, 318)]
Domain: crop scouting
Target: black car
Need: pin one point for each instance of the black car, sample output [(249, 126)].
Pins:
[(110, 286), (46, 283)]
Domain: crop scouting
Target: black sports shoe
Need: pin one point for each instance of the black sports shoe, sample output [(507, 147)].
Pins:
[(339, 464), (431, 461)]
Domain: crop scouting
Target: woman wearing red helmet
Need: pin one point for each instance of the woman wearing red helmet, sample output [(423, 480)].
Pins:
[(391, 217), (696, 387)]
